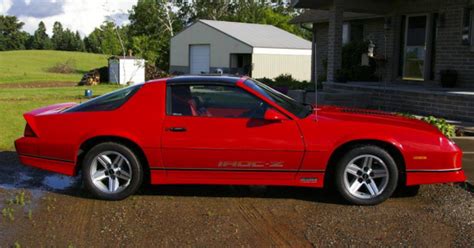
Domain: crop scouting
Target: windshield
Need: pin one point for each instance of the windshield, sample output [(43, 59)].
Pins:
[(288, 103), (107, 102)]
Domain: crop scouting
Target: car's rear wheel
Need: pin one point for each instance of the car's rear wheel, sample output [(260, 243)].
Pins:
[(366, 175), (112, 171)]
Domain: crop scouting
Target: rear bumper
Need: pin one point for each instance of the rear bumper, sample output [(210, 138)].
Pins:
[(27, 153), (58, 166), (435, 176)]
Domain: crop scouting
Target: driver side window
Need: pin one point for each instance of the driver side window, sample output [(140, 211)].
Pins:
[(210, 100)]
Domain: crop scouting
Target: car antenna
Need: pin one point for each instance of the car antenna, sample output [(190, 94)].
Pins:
[(315, 98)]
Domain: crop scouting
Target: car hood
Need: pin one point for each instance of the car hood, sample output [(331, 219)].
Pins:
[(372, 117)]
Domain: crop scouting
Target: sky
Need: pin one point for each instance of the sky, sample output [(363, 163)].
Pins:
[(80, 15)]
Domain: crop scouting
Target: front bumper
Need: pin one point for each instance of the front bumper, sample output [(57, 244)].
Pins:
[(434, 176)]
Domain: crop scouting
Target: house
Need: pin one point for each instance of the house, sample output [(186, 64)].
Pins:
[(240, 48), (126, 70), (415, 42)]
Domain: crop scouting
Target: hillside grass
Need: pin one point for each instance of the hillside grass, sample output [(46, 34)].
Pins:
[(16, 101), (31, 66)]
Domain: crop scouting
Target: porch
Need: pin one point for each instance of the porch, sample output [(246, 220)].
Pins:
[(414, 41)]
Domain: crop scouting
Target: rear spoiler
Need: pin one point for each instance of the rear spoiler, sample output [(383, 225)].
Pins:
[(30, 117)]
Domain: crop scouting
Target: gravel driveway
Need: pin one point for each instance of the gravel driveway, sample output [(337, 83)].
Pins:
[(56, 212)]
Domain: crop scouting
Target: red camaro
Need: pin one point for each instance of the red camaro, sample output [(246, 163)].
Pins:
[(236, 131)]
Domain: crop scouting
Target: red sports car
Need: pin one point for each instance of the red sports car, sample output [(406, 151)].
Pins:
[(236, 131)]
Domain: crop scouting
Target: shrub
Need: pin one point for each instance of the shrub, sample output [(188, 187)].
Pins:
[(447, 129), (67, 67), (286, 81), (351, 68)]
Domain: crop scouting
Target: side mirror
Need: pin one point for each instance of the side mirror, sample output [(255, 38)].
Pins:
[(273, 115)]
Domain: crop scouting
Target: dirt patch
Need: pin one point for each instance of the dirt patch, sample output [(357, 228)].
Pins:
[(220, 216), (38, 85)]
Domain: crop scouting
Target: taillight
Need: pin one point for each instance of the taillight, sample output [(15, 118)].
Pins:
[(28, 131)]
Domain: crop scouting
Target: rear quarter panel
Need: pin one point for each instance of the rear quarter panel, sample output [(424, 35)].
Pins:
[(138, 120)]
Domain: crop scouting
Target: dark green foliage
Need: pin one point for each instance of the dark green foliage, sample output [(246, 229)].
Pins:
[(11, 36), (40, 39), (106, 39), (152, 24), (286, 82), (351, 68)]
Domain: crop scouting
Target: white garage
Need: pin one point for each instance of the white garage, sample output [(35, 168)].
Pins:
[(239, 48)]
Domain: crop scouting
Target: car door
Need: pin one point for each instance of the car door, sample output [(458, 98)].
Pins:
[(218, 130)]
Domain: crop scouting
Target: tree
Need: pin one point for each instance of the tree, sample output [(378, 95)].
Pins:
[(11, 36), (105, 39), (58, 36), (79, 43), (41, 39), (109, 41), (92, 42), (152, 24)]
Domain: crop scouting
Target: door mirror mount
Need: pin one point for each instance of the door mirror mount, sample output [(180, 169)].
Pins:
[(273, 115)]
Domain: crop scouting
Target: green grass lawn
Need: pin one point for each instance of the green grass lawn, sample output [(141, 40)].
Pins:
[(16, 101), (31, 66)]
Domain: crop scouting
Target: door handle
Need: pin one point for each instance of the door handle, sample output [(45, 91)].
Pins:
[(176, 129)]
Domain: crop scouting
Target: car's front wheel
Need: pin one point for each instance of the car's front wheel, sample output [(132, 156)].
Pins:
[(111, 171), (366, 175)]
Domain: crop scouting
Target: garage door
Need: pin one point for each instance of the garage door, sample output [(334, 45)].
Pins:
[(199, 59)]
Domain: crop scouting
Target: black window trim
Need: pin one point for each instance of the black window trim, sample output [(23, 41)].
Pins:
[(168, 98), (137, 88)]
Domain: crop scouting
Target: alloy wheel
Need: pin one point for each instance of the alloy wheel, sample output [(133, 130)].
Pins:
[(366, 176), (111, 172)]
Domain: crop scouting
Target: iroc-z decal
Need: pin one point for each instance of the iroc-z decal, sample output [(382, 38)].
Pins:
[(251, 164)]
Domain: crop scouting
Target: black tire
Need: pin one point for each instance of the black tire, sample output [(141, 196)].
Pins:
[(388, 184), (135, 168)]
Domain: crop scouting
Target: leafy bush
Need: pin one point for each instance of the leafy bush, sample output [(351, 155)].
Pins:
[(447, 129), (407, 115), (351, 68), (67, 67), (286, 82)]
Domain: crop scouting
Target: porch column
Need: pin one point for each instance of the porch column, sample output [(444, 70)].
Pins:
[(336, 19), (314, 56)]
